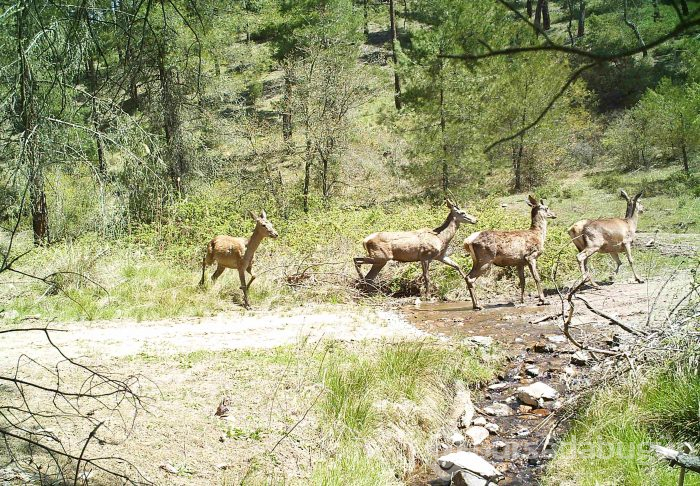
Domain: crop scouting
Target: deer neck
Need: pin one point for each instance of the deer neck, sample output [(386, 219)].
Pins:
[(539, 224), (633, 219), (447, 230), (253, 243)]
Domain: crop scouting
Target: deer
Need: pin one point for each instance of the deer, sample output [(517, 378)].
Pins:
[(423, 245), (237, 253), (607, 235), (515, 248)]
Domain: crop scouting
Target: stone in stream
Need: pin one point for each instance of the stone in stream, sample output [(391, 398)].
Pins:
[(493, 428), (462, 406), (484, 341), (536, 393), (465, 478), (471, 463), (457, 439), (498, 409), (556, 338), (499, 444), (476, 434), (545, 347), (532, 371), (498, 386), (479, 421), (581, 358)]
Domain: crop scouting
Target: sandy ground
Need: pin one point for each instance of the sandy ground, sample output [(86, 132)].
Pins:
[(250, 330)]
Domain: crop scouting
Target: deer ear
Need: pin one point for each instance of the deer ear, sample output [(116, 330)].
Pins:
[(252, 215), (531, 201), (624, 194), (449, 203), (638, 196), (263, 215), (542, 202)]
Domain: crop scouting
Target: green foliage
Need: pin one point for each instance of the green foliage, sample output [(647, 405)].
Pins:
[(610, 438)]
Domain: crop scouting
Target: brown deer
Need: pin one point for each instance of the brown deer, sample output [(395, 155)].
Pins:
[(607, 235), (237, 253), (510, 249), (423, 245)]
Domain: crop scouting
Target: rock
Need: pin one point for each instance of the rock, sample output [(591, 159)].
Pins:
[(479, 421), (498, 386), (470, 462), (541, 412), (498, 409), (519, 340), (556, 338), (545, 347), (457, 439), (532, 394), (465, 478), (570, 371), (532, 371), (499, 444), (169, 468), (493, 428), (476, 434), (523, 432), (581, 358), (510, 399), (9, 314), (484, 341), (462, 406), (524, 409)]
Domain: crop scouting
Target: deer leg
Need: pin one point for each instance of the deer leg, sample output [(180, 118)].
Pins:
[(628, 252), (426, 282), (376, 268), (244, 287), (532, 264), (521, 278), (204, 269), (583, 264), (618, 262), (474, 273), (217, 273), (451, 263), (250, 272)]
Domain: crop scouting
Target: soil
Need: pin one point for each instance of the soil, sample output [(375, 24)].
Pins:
[(531, 342)]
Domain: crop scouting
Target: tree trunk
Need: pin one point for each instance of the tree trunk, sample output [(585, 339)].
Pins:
[(581, 18), (546, 22), (307, 176), (28, 132), (528, 7), (684, 7), (443, 126), (394, 44), (95, 116), (177, 164), (634, 28), (538, 17), (366, 17), (657, 12), (684, 153), (287, 103)]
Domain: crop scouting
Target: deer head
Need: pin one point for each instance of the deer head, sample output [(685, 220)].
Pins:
[(540, 208), (632, 203), (460, 215), (262, 224)]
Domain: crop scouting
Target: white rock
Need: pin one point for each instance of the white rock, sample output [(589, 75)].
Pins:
[(479, 421), (457, 438), (532, 371), (485, 341), (470, 462), (499, 444), (556, 338), (493, 428), (476, 434), (465, 478), (498, 386), (532, 394), (581, 358), (462, 407), (498, 409), (9, 314)]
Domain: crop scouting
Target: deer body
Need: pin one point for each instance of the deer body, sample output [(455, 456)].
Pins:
[(237, 253), (423, 245), (607, 235), (518, 248)]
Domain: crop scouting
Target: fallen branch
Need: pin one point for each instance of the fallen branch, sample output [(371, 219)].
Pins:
[(676, 458), (613, 320)]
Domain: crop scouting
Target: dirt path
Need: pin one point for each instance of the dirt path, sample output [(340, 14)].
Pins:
[(251, 330), (538, 352)]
